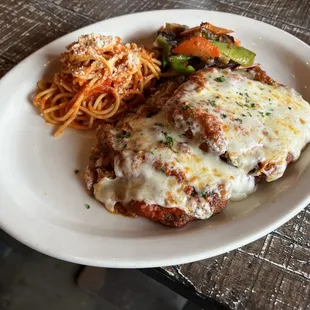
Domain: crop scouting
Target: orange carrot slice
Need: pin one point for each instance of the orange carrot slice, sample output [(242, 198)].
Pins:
[(198, 47), (237, 42), (214, 29)]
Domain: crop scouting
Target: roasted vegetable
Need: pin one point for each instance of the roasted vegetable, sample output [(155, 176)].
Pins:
[(176, 29), (198, 47), (179, 63), (238, 54), (162, 43), (214, 29), (185, 50)]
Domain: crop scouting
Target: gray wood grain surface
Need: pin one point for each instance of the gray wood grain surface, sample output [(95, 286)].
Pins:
[(271, 273)]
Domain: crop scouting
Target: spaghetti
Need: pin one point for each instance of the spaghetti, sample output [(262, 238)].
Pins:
[(100, 78)]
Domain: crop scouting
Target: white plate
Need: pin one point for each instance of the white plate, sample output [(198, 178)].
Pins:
[(42, 200)]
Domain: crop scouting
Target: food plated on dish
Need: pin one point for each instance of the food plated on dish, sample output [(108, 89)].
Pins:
[(47, 173), (182, 129)]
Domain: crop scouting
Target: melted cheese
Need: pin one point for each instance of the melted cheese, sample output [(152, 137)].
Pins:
[(259, 123), (155, 163), (137, 179)]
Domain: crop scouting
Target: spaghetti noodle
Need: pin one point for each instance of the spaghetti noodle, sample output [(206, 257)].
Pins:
[(100, 78)]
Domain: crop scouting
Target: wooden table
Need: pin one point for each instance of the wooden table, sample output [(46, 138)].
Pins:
[(271, 273)]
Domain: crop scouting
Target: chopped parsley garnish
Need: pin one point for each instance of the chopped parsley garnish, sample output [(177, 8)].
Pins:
[(243, 115), (262, 88), (124, 135), (238, 120), (289, 108), (152, 153), (169, 141), (261, 113), (250, 114), (253, 105), (241, 94), (219, 79), (271, 83), (223, 115), (212, 102), (76, 171), (217, 97), (87, 206), (204, 194), (247, 94), (268, 113), (159, 124), (239, 104)]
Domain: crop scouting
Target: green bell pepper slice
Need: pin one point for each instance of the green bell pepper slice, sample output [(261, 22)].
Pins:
[(179, 63), (238, 54), (162, 43)]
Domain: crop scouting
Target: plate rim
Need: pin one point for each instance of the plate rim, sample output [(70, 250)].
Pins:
[(186, 258)]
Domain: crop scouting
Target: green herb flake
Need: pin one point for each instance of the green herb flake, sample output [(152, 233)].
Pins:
[(289, 108), (124, 135), (268, 113), (239, 120), (169, 141), (243, 115), (239, 104), (220, 79), (152, 153), (212, 102), (250, 114), (76, 171), (253, 105), (204, 194), (247, 95), (159, 124), (261, 113), (223, 115), (87, 206)]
